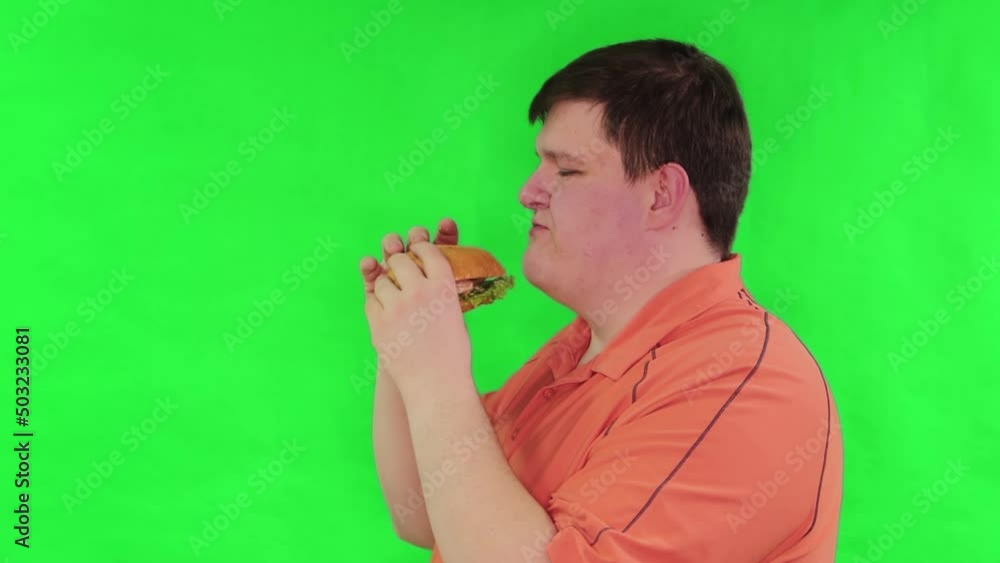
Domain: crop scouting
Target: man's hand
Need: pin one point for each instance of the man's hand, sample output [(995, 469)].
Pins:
[(481, 512), (422, 315)]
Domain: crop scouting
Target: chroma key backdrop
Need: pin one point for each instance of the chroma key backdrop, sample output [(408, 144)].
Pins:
[(188, 187)]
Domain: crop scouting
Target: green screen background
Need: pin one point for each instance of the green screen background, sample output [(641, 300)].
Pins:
[(872, 84)]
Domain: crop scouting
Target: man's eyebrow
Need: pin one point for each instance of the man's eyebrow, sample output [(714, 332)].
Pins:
[(563, 155)]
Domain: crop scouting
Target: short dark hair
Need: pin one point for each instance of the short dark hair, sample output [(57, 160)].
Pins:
[(666, 101)]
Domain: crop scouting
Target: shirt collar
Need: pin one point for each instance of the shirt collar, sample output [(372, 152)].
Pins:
[(673, 306)]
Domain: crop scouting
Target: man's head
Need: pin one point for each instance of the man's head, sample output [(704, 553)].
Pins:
[(645, 152)]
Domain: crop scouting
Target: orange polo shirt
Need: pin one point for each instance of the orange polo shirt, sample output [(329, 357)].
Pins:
[(704, 432)]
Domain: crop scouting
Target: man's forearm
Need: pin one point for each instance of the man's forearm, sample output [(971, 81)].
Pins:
[(396, 466), (479, 510)]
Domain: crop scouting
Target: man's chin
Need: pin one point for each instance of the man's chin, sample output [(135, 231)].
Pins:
[(537, 267)]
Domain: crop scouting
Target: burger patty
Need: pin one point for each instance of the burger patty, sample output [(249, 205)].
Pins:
[(464, 286)]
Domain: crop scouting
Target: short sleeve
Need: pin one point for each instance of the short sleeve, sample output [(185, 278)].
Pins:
[(705, 478), (488, 401), (486, 398)]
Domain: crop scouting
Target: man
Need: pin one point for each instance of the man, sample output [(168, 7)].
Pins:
[(675, 420)]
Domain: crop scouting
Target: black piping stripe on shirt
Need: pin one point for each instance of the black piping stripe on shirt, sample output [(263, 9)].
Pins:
[(822, 473), (645, 369), (826, 446), (763, 349), (744, 294)]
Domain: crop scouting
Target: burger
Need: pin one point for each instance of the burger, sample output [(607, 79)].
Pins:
[(479, 277)]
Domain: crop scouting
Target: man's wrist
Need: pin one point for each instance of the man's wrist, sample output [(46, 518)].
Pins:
[(437, 393)]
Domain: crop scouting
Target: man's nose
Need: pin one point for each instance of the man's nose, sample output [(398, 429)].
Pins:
[(533, 194)]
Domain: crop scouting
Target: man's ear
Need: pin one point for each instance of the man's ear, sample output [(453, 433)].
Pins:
[(669, 190)]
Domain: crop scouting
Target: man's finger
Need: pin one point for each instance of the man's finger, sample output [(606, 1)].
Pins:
[(447, 232), (405, 269), (386, 292), (436, 266), (391, 244), (418, 234), (372, 305), (370, 271)]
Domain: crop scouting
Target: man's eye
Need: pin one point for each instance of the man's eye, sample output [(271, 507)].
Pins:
[(568, 172)]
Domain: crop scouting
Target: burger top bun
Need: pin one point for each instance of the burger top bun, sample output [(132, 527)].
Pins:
[(467, 262)]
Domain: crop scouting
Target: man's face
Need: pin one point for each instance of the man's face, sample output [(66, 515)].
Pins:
[(590, 218)]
